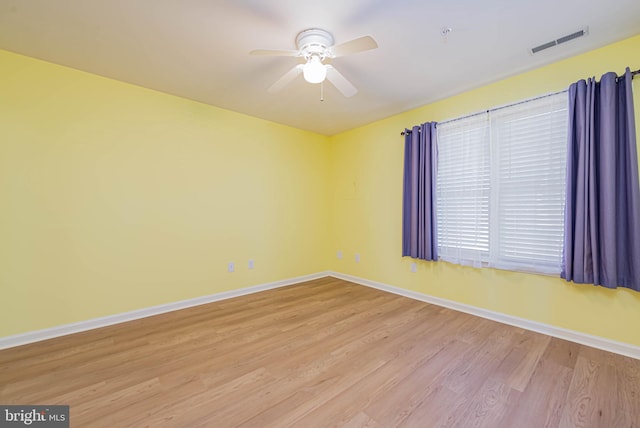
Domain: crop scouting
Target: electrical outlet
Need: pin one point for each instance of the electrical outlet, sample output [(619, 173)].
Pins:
[(250, 264), (357, 257), (339, 254), (231, 267), (414, 267)]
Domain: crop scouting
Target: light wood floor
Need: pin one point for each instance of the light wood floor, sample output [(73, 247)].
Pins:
[(319, 354)]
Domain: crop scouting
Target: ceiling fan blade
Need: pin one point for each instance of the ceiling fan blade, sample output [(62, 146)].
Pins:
[(356, 45), (340, 82), (287, 78), (274, 52)]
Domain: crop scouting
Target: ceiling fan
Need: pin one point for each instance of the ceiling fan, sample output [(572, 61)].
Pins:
[(316, 47)]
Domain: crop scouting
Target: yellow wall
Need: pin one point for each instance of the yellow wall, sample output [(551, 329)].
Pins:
[(115, 197), (366, 172)]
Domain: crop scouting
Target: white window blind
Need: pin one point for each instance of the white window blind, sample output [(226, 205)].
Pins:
[(463, 190), (501, 186), (529, 146)]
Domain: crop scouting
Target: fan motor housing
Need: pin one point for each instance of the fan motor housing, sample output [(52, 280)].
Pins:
[(314, 41)]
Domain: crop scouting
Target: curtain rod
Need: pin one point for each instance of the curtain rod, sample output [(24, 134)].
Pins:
[(408, 131)]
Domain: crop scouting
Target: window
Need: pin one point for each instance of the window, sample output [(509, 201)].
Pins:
[(501, 185)]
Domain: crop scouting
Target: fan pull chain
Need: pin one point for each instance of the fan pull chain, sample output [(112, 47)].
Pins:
[(322, 91)]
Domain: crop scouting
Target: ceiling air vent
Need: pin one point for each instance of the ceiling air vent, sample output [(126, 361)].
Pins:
[(562, 39)]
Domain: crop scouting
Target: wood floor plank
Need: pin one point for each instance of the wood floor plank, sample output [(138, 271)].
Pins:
[(579, 406), (522, 359), (628, 381), (542, 402), (393, 405), (322, 353), (562, 352), (362, 420), (487, 407)]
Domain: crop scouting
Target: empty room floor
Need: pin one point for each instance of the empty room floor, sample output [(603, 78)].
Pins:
[(318, 354)]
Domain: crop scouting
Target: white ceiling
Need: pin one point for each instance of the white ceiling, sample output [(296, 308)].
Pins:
[(198, 49)]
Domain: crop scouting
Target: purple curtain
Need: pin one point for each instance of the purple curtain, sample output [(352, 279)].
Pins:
[(419, 234), (602, 213)]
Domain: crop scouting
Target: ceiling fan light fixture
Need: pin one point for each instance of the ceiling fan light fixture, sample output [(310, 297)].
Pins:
[(314, 71), (315, 46)]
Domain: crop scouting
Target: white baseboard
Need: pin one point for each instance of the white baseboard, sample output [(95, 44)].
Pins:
[(561, 333), (573, 336), (63, 330)]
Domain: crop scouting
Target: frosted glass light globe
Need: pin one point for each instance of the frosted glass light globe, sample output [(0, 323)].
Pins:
[(314, 70)]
